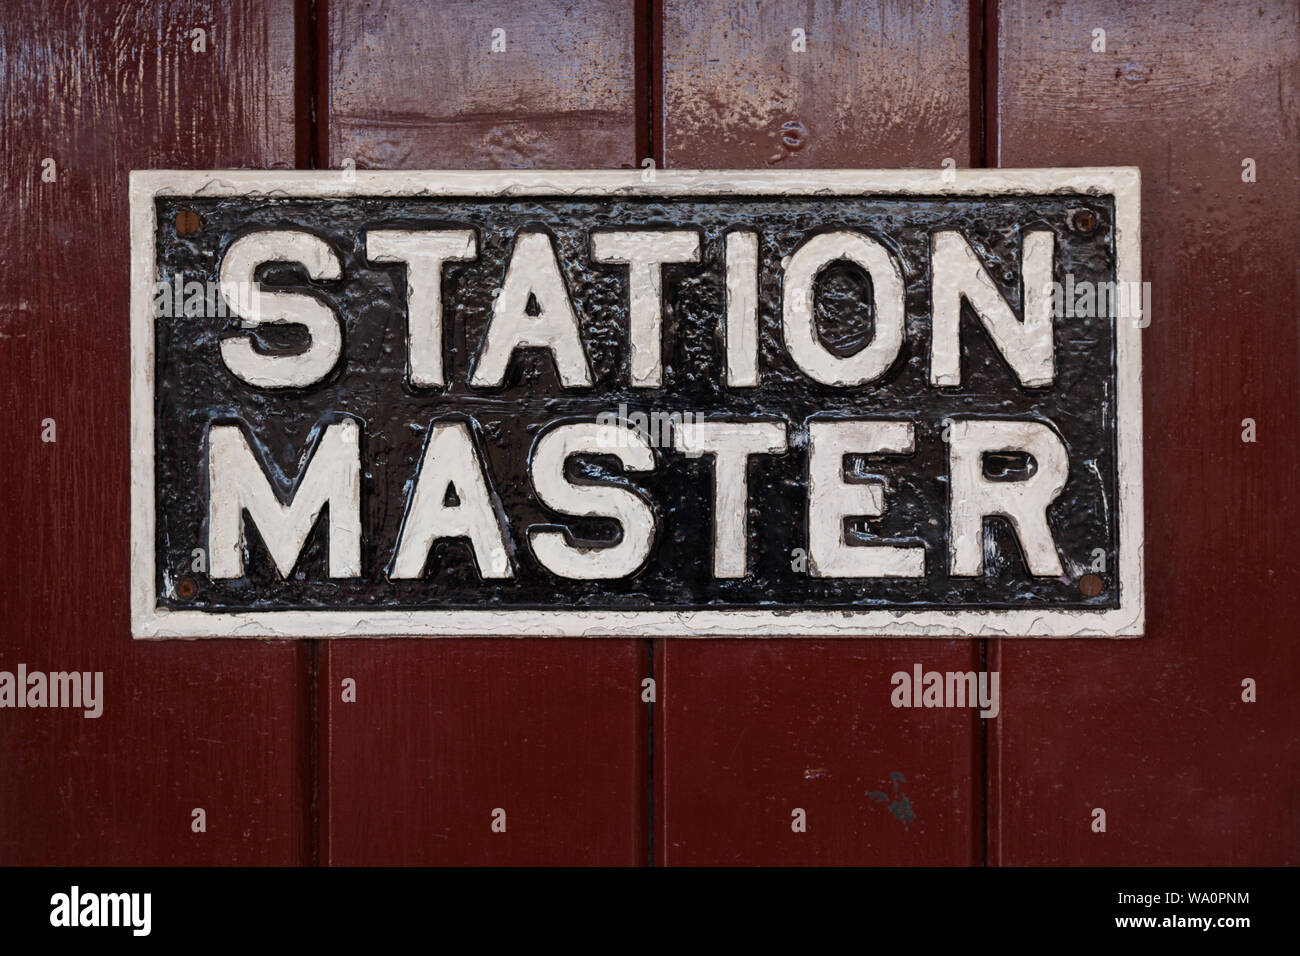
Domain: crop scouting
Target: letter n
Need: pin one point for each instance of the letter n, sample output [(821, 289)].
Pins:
[(958, 275)]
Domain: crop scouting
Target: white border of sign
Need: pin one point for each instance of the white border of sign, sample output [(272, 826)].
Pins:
[(150, 621)]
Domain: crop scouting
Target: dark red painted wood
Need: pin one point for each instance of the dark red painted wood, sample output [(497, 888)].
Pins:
[(446, 731), (748, 731), (1154, 730), (443, 732), (221, 725)]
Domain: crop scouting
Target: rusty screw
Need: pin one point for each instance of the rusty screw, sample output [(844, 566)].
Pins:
[(186, 588), (1083, 220), (187, 222), (1090, 585)]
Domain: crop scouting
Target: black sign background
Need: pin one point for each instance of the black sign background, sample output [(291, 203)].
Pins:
[(195, 390)]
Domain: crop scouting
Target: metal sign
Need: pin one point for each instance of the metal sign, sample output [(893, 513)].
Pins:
[(835, 403)]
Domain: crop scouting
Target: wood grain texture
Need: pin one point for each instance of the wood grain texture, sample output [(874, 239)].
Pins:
[(879, 85), (554, 732), (746, 732), (1154, 730), (103, 89), (416, 85), (446, 731)]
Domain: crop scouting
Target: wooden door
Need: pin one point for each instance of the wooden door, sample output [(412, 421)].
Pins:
[(557, 733)]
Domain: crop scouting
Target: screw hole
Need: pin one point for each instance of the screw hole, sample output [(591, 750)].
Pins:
[(187, 222), (1083, 220)]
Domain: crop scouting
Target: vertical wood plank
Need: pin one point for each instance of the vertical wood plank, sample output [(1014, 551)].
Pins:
[(1154, 730), (883, 84), (749, 731), (446, 731), (102, 89)]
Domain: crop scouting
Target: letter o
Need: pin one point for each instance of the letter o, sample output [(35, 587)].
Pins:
[(800, 331)]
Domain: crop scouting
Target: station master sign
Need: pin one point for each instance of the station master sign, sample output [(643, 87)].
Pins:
[(838, 403)]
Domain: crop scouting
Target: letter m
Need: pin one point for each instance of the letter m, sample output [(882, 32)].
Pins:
[(961, 688), (65, 688), (237, 483), (119, 905)]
